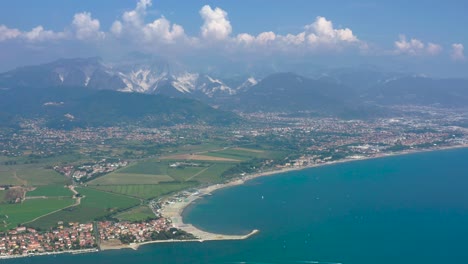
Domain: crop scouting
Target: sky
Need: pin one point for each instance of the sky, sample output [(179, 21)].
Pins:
[(424, 37)]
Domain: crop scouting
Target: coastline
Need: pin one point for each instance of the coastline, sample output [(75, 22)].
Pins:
[(173, 206), (174, 210), (73, 252)]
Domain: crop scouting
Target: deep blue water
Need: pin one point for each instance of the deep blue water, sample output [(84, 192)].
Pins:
[(403, 209)]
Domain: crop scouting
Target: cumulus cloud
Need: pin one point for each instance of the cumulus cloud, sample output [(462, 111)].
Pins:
[(433, 49), (416, 47), (322, 32), (8, 33), (457, 53), (216, 31), (86, 27), (216, 25), (161, 29), (39, 34), (318, 35), (134, 27), (291, 39)]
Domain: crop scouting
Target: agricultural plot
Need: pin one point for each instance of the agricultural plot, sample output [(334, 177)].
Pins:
[(30, 176), (94, 204), (146, 167), (199, 157), (241, 154), (117, 178), (13, 214), (2, 196), (50, 191), (139, 213), (197, 148), (186, 173), (213, 173), (146, 191)]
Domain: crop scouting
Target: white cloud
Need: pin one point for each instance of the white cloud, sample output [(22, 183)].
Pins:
[(322, 32), (265, 38), (135, 29), (457, 53), (216, 32), (412, 47), (318, 35), (416, 47), (216, 25), (86, 27), (161, 30), (116, 28), (433, 49), (39, 34), (8, 33), (291, 39), (245, 39), (136, 17)]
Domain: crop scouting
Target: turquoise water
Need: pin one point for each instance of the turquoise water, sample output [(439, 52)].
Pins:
[(404, 209)]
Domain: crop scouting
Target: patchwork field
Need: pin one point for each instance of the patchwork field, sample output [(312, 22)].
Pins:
[(2, 196), (29, 175), (173, 170), (94, 204), (207, 157), (117, 178), (13, 214), (139, 213), (50, 191), (146, 191)]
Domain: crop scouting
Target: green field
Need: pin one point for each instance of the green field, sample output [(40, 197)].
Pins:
[(94, 204), (139, 213), (14, 214), (185, 173), (146, 191), (136, 174), (2, 196), (209, 146), (153, 178), (30, 175), (146, 167), (213, 173), (50, 191), (128, 178), (241, 154)]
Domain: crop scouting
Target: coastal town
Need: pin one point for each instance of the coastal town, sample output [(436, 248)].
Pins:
[(84, 238), (122, 187), (24, 241)]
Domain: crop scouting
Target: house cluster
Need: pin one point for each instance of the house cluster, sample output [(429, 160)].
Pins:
[(133, 232), (25, 241), (87, 171)]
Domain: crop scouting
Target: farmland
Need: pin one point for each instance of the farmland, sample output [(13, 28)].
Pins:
[(13, 214), (94, 204), (29, 175), (146, 191), (50, 191), (139, 213)]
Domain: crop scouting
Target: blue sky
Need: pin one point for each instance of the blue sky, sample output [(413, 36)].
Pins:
[(419, 36)]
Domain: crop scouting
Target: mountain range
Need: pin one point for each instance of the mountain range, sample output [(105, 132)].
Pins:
[(140, 87)]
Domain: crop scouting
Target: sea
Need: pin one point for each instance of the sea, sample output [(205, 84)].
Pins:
[(400, 209)]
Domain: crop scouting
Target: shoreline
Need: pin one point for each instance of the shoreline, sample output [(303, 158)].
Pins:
[(72, 252), (174, 210)]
